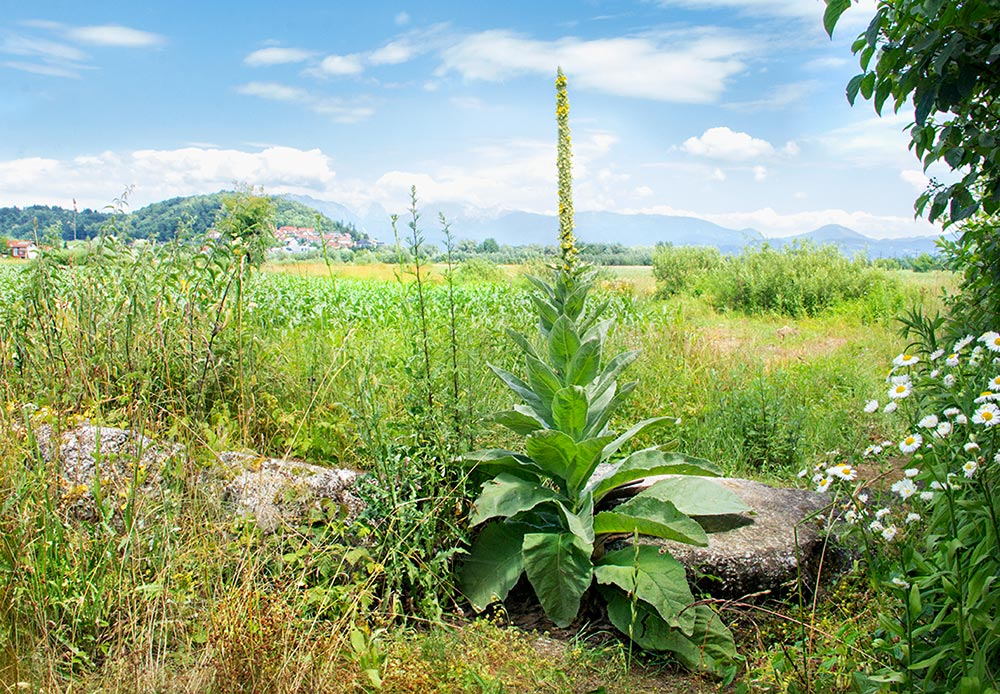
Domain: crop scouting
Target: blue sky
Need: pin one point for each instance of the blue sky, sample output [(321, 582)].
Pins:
[(728, 110)]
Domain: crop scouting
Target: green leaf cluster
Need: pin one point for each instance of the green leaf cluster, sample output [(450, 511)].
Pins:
[(546, 511)]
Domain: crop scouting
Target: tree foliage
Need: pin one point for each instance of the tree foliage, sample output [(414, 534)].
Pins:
[(944, 56)]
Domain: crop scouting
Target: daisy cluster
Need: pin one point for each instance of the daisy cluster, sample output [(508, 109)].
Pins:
[(950, 398)]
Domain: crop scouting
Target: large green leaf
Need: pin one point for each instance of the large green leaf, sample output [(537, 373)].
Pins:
[(582, 370), (494, 564), (652, 576), (696, 496), (588, 457), (506, 495), (597, 421), (651, 517), (521, 388), (523, 342), (554, 452), (493, 461), (563, 343), (633, 431), (559, 568), (569, 411), (648, 462), (542, 379), (831, 15), (521, 420), (610, 373)]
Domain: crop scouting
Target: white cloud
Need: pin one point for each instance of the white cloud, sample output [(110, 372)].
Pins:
[(340, 110), (759, 173), (274, 91), (791, 148), (779, 98), (860, 11), (915, 178), (393, 53), (470, 103), (342, 65), (30, 46), (718, 174), (115, 35), (276, 55), (402, 19), (723, 143), (42, 69), (687, 68), (873, 141)]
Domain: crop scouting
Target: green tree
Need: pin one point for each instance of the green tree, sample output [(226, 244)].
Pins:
[(944, 56), (489, 245)]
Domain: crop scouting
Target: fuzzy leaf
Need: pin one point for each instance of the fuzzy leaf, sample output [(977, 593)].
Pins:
[(506, 495), (651, 517), (563, 343), (521, 388), (654, 577), (554, 452), (559, 568), (542, 379), (520, 420), (494, 564), (569, 411), (496, 460), (652, 461), (696, 496), (582, 370)]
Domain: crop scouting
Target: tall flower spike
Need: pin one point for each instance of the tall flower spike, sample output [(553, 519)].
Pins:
[(567, 241)]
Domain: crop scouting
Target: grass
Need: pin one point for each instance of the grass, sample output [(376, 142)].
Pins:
[(320, 364)]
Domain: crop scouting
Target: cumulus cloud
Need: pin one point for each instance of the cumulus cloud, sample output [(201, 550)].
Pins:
[(860, 11), (341, 65), (689, 68), (276, 55), (273, 91), (915, 178), (723, 143), (393, 53), (759, 173), (115, 35)]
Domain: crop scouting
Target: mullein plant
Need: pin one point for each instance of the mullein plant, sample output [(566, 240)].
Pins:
[(548, 510)]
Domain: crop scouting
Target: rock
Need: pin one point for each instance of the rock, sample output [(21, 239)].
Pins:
[(274, 491), (116, 457), (764, 551)]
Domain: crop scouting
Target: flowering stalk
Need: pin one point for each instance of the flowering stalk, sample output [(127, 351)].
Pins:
[(567, 241)]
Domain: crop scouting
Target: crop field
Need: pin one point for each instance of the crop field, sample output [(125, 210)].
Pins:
[(356, 367)]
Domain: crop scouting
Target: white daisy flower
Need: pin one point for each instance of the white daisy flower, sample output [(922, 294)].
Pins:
[(803, 472), (902, 378), (991, 340), (960, 345), (911, 472), (961, 419), (905, 488), (948, 380), (928, 422), (985, 396), (969, 469), (937, 354), (876, 526), (900, 583), (843, 471), (943, 429), (882, 513), (872, 405), (926, 496), (851, 516), (977, 356), (912, 518), (911, 443), (988, 415), (952, 359), (970, 446), (905, 360), (889, 533), (995, 383), (890, 407), (862, 498), (937, 486), (935, 373), (824, 484), (952, 411)]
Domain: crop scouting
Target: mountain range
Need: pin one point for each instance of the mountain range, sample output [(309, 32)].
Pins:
[(516, 228)]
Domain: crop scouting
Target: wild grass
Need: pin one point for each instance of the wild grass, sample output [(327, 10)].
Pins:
[(321, 366)]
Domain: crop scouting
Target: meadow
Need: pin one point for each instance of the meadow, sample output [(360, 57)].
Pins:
[(380, 369)]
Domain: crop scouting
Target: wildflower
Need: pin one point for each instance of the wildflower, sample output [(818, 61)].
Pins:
[(872, 450), (937, 486), (970, 447), (926, 496), (803, 472), (851, 516), (905, 488), (843, 471), (969, 469), (943, 429), (952, 411), (935, 373), (862, 498), (948, 380), (977, 355), (900, 583), (991, 340), (929, 422), (911, 472), (995, 383), (824, 484), (952, 359), (911, 443), (961, 419), (986, 396), (988, 415), (818, 477), (996, 459), (960, 345), (900, 390), (897, 380), (881, 513), (889, 533), (912, 518), (875, 526), (905, 360), (937, 354), (890, 407), (872, 405), (833, 452)]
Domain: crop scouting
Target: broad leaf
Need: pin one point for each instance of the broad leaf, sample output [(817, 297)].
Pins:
[(648, 462), (610, 373), (582, 370), (521, 420), (542, 379), (521, 388), (596, 426), (651, 517), (640, 428), (580, 523), (834, 8), (569, 411), (522, 342), (494, 564), (696, 496), (506, 495), (654, 577), (559, 568), (588, 457), (554, 452), (496, 460), (563, 343)]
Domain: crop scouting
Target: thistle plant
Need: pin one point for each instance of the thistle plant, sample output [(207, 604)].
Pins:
[(549, 511)]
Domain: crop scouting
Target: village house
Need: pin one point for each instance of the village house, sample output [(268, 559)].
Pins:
[(22, 249), (308, 236)]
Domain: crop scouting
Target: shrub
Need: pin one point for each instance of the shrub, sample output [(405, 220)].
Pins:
[(801, 279), (678, 268)]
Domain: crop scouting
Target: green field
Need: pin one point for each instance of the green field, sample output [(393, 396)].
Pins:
[(347, 366)]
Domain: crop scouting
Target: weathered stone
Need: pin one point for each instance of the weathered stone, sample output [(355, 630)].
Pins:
[(274, 491), (775, 544)]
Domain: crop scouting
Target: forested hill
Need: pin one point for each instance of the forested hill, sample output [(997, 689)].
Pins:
[(192, 215)]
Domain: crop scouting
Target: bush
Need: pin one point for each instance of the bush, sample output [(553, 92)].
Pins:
[(677, 269), (801, 279)]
